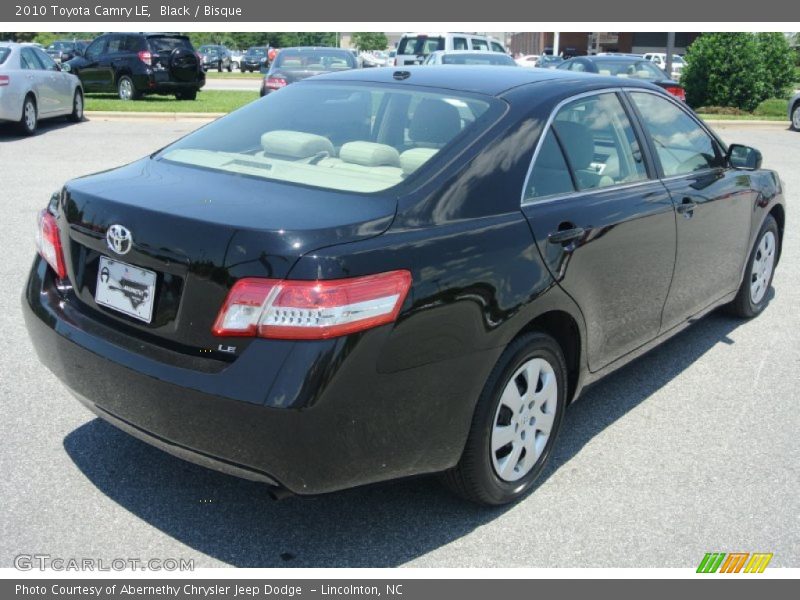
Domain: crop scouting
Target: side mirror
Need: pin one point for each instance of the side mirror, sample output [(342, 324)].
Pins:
[(743, 157)]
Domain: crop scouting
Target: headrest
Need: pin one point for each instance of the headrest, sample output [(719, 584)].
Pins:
[(370, 154), (295, 144), (413, 159), (434, 122), (578, 142)]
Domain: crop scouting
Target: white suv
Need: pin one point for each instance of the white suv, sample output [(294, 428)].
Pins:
[(660, 60), (414, 48)]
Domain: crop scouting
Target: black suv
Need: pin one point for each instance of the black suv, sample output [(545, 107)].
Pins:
[(133, 64), (216, 57)]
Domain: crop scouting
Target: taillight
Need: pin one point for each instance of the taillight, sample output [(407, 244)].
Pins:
[(677, 91), (311, 310), (48, 243), (146, 57), (274, 83), (4, 80)]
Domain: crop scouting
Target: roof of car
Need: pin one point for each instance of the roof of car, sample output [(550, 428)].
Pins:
[(612, 58), (313, 48), (481, 79)]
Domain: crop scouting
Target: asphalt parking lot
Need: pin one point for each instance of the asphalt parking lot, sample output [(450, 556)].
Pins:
[(691, 449)]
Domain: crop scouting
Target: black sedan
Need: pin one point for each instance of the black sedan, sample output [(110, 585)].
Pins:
[(295, 64), (389, 272), (255, 59), (626, 67)]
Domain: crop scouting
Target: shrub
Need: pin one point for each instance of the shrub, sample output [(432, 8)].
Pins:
[(778, 60), (724, 69)]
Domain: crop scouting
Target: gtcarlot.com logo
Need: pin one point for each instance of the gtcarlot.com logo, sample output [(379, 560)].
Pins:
[(734, 562), (44, 562)]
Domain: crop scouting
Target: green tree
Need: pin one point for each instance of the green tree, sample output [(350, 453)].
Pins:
[(725, 69), (778, 60), (370, 40)]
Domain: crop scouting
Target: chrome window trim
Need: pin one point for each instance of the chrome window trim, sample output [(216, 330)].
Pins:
[(649, 180)]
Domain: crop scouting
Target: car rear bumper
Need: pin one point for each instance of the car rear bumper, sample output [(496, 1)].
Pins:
[(310, 417), (159, 83)]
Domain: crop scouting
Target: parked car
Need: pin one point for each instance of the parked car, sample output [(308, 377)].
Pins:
[(626, 67), (469, 57), (134, 64), (236, 60), (529, 60), (215, 56), (414, 48), (391, 275), (659, 59), (295, 64), (64, 50), (33, 87), (794, 112), (548, 61), (255, 59)]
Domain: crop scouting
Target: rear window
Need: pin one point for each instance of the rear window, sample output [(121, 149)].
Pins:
[(478, 59), (317, 60), (641, 69), (420, 45), (168, 43), (340, 137), (4, 52)]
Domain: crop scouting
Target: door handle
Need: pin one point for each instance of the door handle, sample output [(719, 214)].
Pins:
[(686, 207), (563, 236)]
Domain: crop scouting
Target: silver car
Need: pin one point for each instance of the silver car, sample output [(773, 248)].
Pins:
[(33, 87), (794, 111)]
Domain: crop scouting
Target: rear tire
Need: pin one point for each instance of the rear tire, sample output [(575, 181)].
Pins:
[(796, 117), (230, 68), (126, 90), (30, 116), (753, 295), (77, 107), (515, 424)]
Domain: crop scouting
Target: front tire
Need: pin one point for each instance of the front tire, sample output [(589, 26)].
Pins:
[(77, 107), (753, 295), (30, 116), (515, 424)]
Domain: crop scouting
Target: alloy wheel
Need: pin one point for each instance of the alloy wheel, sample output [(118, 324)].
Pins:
[(30, 115), (125, 89)]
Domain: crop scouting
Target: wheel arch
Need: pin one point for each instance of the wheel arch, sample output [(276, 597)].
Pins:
[(566, 330), (31, 92), (779, 214)]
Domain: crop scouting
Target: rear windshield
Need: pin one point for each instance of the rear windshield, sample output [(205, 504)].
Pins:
[(478, 59), (335, 136), (316, 60), (416, 45), (4, 52), (640, 69), (168, 44)]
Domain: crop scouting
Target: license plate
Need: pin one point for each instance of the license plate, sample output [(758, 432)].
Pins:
[(126, 288)]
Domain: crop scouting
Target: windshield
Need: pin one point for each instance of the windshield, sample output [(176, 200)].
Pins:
[(478, 59), (256, 52), (60, 46), (420, 45), (335, 136), (641, 69), (314, 60), (551, 59)]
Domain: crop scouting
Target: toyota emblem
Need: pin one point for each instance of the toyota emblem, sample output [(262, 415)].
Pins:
[(119, 239)]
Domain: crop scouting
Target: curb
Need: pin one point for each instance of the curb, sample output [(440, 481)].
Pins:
[(746, 123), (113, 115)]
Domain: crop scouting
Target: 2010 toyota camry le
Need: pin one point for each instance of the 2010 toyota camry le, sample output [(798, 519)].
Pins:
[(383, 273)]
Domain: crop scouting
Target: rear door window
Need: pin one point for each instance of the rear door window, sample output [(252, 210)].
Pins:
[(479, 44), (460, 43), (47, 63)]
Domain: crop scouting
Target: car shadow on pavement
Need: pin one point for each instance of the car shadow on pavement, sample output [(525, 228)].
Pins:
[(9, 133), (381, 525)]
